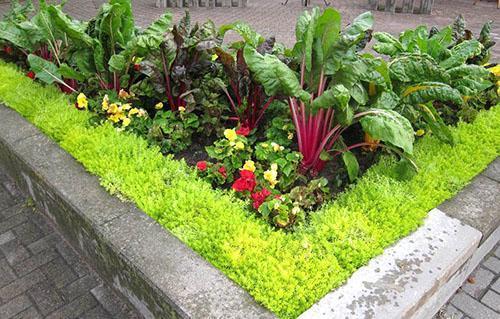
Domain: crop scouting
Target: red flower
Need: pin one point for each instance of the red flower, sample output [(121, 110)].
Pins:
[(201, 165), (246, 182), (137, 67), (7, 49), (222, 171), (243, 130), (31, 75), (259, 197)]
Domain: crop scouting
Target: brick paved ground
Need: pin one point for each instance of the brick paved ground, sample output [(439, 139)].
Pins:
[(271, 18), (40, 275), (479, 297)]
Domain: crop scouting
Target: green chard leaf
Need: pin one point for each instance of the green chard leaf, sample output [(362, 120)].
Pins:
[(389, 126)]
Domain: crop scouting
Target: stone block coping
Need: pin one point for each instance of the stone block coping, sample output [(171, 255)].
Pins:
[(163, 278)]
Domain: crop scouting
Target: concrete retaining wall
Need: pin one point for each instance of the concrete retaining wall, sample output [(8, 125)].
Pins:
[(157, 273)]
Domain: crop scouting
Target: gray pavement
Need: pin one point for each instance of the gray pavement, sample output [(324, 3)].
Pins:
[(479, 297), (41, 276)]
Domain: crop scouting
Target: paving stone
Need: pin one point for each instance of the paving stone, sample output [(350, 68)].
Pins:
[(96, 313), (28, 232), (472, 307), (12, 211), (75, 308), (497, 251), (34, 262), (67, 253), (79, 287), (14, 252), (21, 285), (449, 312), (496, 285), (46, 297), (478, 282), (14, 306), (44, 243), (18, 217), (30, 313), (493, 264), (492, 300), (6, 200), (41, 222), (6, 273), (6, 237), (59, 272)]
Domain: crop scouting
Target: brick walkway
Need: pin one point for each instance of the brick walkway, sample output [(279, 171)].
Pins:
[(40, 275), (479, 297), (269, 17)]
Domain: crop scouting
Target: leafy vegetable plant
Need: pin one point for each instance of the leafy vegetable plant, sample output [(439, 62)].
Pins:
[(323, 102)]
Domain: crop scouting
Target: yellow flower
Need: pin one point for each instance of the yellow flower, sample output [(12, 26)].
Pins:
[(230, 134), (271, 176), (105, 103), (113, 108), (295, 210), (249, 166), (277, 147), (133, 111), (495, 70), (81, 101), (142, 113), (182, 109), (239, 145), (126, 122), (274, 167), (123, 94), (290, 136), (420, 132), (265, 145), (159, 106), (126, 106)]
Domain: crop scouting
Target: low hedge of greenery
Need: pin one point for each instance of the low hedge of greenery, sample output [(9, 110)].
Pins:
[(285, 271)]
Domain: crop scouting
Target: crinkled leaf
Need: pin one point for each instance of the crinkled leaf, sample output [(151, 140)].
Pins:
[(417, 68), (431, 91), (387, 44), (389, 126), (461, 53), (468, 70), (471, 86), (74, 30), (337, 98), (386, 100), (275, 76), (249, 35)]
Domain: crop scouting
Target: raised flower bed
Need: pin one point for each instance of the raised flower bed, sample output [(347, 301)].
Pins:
[(264, 203)]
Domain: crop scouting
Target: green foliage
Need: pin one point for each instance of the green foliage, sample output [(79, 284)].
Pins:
[(286, 272), (173, 131)]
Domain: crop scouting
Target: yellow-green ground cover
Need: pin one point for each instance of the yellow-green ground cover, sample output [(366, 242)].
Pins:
[(287, 272)]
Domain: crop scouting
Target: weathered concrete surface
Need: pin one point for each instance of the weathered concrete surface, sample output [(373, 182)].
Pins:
[(398, 282), (478, 204), (157, 273), (493, 170)]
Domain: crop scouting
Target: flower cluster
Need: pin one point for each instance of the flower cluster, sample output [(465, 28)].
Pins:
[(121, 112)]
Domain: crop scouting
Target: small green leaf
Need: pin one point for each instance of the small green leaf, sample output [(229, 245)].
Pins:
[(352, 165)]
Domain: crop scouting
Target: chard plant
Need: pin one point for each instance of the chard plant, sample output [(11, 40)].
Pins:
[(246, 96), (429, 70), (329, 93), (184, 54)]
